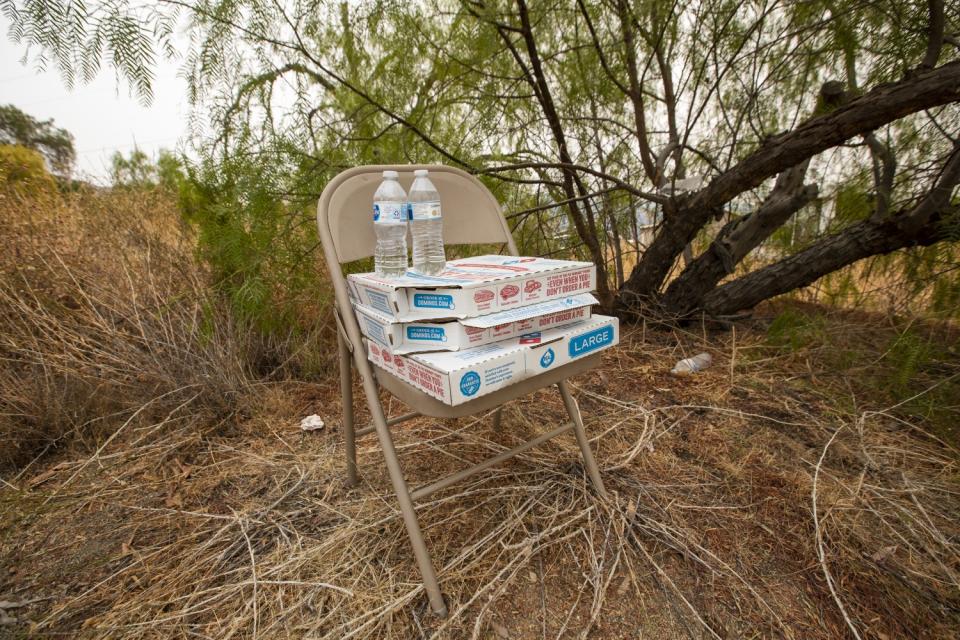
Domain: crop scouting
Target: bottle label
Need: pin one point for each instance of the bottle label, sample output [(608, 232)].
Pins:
[(388, 212), (424, 210)]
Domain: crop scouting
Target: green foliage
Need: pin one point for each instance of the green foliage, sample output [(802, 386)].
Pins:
[(794, 330), (945, 298), (139, 171), (293, 92), (78, 37), (258, 244), (135, 171), (852, 203), (55, 144), (906, 355), (22, 172)]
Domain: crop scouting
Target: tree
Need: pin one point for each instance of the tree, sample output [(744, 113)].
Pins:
[(53, 143), (705, 118), (135, 171), (22, 172)]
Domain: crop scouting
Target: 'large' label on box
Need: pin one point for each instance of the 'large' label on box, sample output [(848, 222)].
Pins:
[(590, 341)]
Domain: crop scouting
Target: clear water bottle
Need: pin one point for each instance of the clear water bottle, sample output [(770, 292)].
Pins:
[(426, 226), (695, 364), (390, 225)]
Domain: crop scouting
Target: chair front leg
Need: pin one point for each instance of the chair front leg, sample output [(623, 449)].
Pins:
[(420, 552), (592, 470)]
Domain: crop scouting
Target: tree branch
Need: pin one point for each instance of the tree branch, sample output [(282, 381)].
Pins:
[(737, 239), (882, 105), (919, 226), (934, 34), (570, 166)]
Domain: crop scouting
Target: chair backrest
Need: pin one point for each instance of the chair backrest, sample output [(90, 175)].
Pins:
[(471, 214)]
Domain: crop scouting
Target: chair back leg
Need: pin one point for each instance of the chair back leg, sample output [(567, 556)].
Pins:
[(346, 399), (591, 465), (400, 487)]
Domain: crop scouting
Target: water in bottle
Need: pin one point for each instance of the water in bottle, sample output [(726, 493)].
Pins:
[(390, 225), (426, 226)]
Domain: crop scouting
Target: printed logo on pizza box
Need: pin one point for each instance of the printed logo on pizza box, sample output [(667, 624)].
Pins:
[(386, 356), (532, 286), (433, 301), (472, 331), (470, 383), (530, 338), (484, 295), (547, 358), (374, 350), (509, 291), (397, 360)]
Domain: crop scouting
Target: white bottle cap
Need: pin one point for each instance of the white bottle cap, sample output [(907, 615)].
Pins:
[(390, 174), (420, 173)]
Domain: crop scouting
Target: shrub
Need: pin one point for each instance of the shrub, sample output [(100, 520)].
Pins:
[(23, 172), (106, 320)]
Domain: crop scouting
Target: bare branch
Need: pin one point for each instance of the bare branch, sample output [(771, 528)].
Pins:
[(934, 34)]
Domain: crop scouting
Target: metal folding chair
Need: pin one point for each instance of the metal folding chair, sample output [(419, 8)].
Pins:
[(471, 215)]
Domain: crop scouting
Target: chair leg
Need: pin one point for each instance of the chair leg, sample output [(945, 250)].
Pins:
[(588, 460), (403, 493), (346, 397)]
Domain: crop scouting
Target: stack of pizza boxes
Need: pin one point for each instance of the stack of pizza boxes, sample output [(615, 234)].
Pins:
[(482, 324)]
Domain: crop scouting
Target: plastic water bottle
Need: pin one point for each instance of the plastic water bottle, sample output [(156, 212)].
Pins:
[(688, 366), (390, 225), (426, 226)]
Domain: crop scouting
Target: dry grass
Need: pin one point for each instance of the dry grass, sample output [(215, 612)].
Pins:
[(106, 319), (769, 496)]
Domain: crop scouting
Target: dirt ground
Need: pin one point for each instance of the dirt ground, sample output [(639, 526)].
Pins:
[(772, 495)]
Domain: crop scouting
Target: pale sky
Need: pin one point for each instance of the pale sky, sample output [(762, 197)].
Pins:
[(103, 116)]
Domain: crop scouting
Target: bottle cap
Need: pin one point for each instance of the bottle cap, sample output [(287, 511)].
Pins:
[(390, 174), (420, 173)]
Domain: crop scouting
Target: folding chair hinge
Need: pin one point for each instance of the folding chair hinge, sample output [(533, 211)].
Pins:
[(342, 330)]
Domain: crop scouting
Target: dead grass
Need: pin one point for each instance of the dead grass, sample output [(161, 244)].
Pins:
[(772, 495), (741, 495), (106, 320)]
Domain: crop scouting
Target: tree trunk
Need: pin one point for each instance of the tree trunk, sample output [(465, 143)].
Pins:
[(685, 216), (737, 239), (859, 241), (921, 226), (537, 79)]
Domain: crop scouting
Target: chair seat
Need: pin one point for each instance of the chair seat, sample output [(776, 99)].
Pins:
[(430, 406)]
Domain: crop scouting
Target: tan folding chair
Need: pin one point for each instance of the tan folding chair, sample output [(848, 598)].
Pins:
[(471, 215)]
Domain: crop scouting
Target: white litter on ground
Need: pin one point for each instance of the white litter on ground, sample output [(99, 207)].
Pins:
[(312, 423), (688, 366)]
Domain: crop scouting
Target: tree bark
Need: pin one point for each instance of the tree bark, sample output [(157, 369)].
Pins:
[(687, 215), (920, 226), (737, 239), (861, 240)]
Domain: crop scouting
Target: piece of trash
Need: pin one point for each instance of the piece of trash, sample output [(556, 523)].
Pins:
[(687, 366), (312, 423)]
